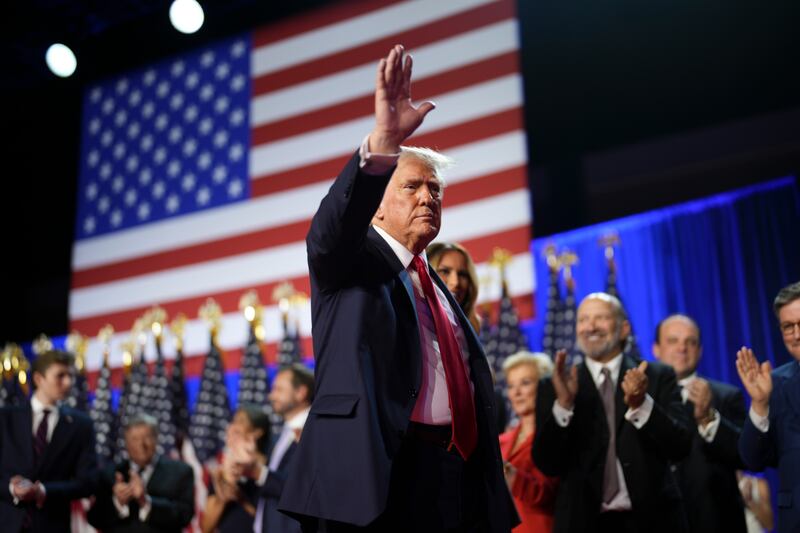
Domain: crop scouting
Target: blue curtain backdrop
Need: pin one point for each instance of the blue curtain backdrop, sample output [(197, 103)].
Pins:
[(720, 260)]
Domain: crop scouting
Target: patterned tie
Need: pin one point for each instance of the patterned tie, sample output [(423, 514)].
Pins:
[(40, 439), (462, 405), (610, 475)]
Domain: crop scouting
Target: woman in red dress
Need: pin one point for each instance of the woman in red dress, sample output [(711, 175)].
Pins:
[(534, 493)]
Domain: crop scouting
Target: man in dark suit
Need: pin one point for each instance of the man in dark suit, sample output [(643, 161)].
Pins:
[(771, 433), (609, 427), (148, 493), (47, 456), (382, 449), (291, 395), (708, 474)]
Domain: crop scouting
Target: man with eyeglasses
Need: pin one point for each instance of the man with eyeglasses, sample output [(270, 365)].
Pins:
[(771, 433)]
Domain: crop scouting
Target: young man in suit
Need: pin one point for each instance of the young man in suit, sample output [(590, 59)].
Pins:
[(291, 395), (609, 428), (401, 435), (771, 433), (148, 493), (47, 456), (708, 474)]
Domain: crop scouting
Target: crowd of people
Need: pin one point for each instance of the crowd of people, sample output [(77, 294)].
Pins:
[(397, 428)]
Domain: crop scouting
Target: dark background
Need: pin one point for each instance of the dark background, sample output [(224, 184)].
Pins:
[(629, 106)]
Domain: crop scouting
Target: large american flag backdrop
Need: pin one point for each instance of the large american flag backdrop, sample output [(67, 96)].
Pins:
[(200, 174)]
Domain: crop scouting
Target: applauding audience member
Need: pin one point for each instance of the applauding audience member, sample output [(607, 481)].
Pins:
[(149, 492)]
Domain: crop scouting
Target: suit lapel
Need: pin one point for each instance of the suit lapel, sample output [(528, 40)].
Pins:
[(23, 435)]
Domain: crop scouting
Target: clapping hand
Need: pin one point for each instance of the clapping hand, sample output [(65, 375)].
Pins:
[(634, 385), (565, 382), (757, 379)]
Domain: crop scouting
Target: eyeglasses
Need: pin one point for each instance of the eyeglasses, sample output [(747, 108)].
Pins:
[(787, 328)]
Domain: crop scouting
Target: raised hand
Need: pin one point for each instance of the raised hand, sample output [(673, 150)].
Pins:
[(634, 385), (565, 382), (757, 379), (396, 117), (121, 490)]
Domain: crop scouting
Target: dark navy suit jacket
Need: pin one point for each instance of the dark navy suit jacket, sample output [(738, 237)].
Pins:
[(780, 446), (368, 367), (67, 469)]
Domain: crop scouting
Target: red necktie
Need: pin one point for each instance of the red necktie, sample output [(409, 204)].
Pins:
[(462, 405)]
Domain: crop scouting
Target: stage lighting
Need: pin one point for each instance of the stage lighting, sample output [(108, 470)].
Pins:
[(61, 60), (186, 15)]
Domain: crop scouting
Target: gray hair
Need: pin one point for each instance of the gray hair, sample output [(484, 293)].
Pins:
[(785, 296), (539, 360), (611, 300), (143, 419), (432, 159)]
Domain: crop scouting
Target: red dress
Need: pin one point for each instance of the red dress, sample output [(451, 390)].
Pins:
[(534, 493)]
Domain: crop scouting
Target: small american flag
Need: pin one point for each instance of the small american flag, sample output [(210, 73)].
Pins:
[(103, 417), (161, 404), (212, 412)]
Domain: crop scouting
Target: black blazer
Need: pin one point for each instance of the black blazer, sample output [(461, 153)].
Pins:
[(708, 474), (780, 445), (171, 490), (368, 367), (577, 453), (67, 469)]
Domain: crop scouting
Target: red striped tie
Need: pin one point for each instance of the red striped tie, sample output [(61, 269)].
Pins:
[(462, 405)]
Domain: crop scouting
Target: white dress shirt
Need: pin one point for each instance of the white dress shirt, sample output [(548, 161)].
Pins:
[(637, 417)]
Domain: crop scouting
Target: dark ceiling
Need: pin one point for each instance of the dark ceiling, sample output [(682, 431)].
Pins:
[(599, 76)]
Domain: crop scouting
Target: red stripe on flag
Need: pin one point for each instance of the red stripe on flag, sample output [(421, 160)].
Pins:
[(506, 180), (359, 55), (228, 300), (462, 133), (178, 257), (478, 72)]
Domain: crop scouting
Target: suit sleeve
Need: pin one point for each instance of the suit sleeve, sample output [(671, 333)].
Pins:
[(725, 446), (103, 515), (339, 228), (669, 426), (86, 475), (757, 449), (551, 444), (175, 512)]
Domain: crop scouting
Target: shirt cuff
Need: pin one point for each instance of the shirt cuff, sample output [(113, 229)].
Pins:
[(11, 492), (262, 477), (122, 510), (639, 416), (144, 510), (375, 164), (760, 422), (710, 430), (563, 416)]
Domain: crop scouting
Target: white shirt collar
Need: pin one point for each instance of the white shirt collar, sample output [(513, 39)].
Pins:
[(37, 406), (403, 254), (685, 381), (298, 420), (595, 368)]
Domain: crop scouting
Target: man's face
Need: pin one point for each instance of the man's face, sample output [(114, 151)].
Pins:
[(140, 441), (283, 396), (679, 346), (411, 209), (54, 385), (598, 333), (789, 321)]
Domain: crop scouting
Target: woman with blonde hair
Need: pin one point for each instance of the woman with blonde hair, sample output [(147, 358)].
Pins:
[(455, 266), (534, 493)]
